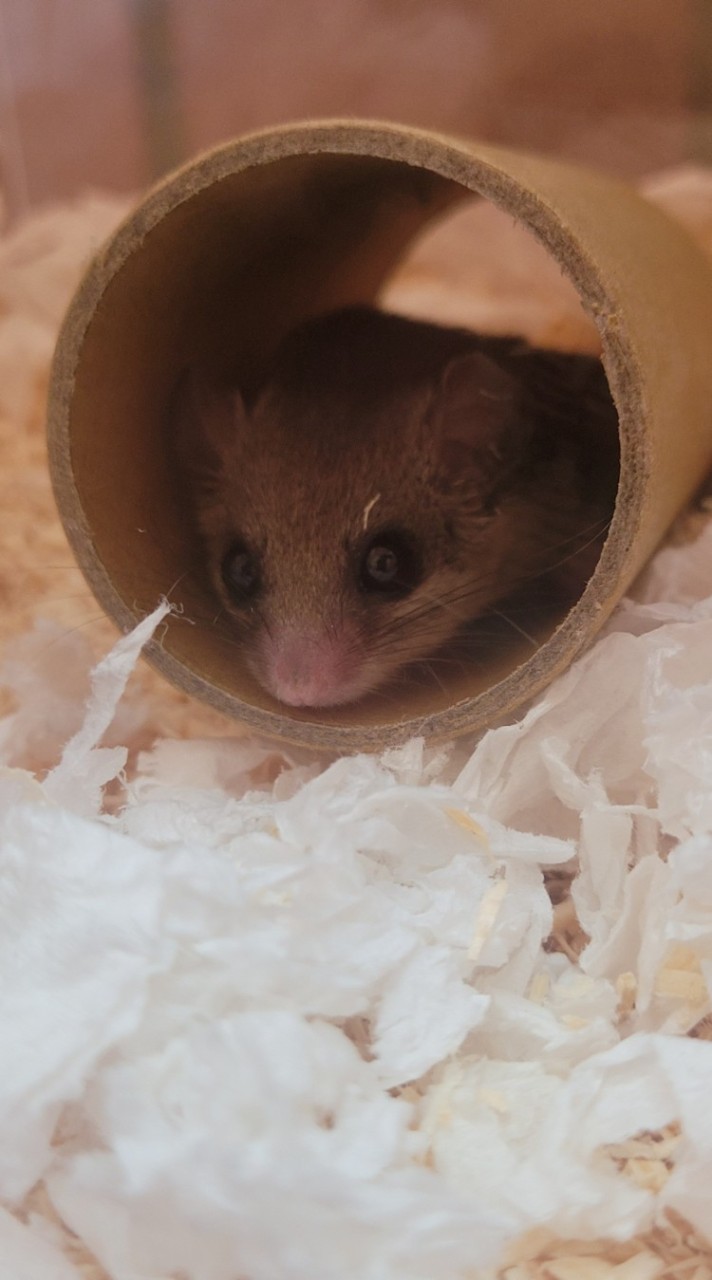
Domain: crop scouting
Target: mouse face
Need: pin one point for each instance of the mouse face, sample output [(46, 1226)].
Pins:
[(364, 508)]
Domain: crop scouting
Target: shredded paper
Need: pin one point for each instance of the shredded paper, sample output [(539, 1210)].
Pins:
[(432, 1015)]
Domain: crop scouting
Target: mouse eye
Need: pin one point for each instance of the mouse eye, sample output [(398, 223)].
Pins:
[(241, 573), (390, 565)]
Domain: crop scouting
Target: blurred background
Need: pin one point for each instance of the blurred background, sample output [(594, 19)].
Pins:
[(110, 94)]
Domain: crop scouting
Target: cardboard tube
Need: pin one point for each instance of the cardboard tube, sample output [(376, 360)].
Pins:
[(223, 258)]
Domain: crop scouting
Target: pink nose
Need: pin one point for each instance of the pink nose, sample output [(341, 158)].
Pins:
[(309, 670)]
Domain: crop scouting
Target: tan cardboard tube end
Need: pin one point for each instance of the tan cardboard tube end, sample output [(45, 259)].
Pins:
[(224, 257)]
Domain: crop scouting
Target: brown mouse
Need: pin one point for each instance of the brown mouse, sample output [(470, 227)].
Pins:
[(388, 483)]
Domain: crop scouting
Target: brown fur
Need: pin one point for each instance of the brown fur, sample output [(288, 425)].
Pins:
[(498, 460)]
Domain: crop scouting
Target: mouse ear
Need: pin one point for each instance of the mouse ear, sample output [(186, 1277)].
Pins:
[(479, 408), (206, 422)]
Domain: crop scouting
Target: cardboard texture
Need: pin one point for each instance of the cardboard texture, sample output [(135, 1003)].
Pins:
[(224, 257)]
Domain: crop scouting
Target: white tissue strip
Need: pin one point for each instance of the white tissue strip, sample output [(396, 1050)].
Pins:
[(85, 767), (27, 1254)]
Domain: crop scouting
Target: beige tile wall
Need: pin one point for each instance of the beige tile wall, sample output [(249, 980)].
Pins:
[(110, 92)]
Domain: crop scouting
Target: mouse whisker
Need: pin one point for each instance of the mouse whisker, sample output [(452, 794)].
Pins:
[(88, 622), (430, 669), (181, 578), (515, 626), (576, 551), (74, 595)]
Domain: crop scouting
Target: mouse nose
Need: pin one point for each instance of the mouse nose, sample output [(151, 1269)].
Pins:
[(310, 669)]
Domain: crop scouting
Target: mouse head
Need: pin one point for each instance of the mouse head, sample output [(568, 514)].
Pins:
[(353, 519)]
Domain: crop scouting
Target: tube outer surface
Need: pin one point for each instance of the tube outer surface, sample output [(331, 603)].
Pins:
[(226, 255)]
